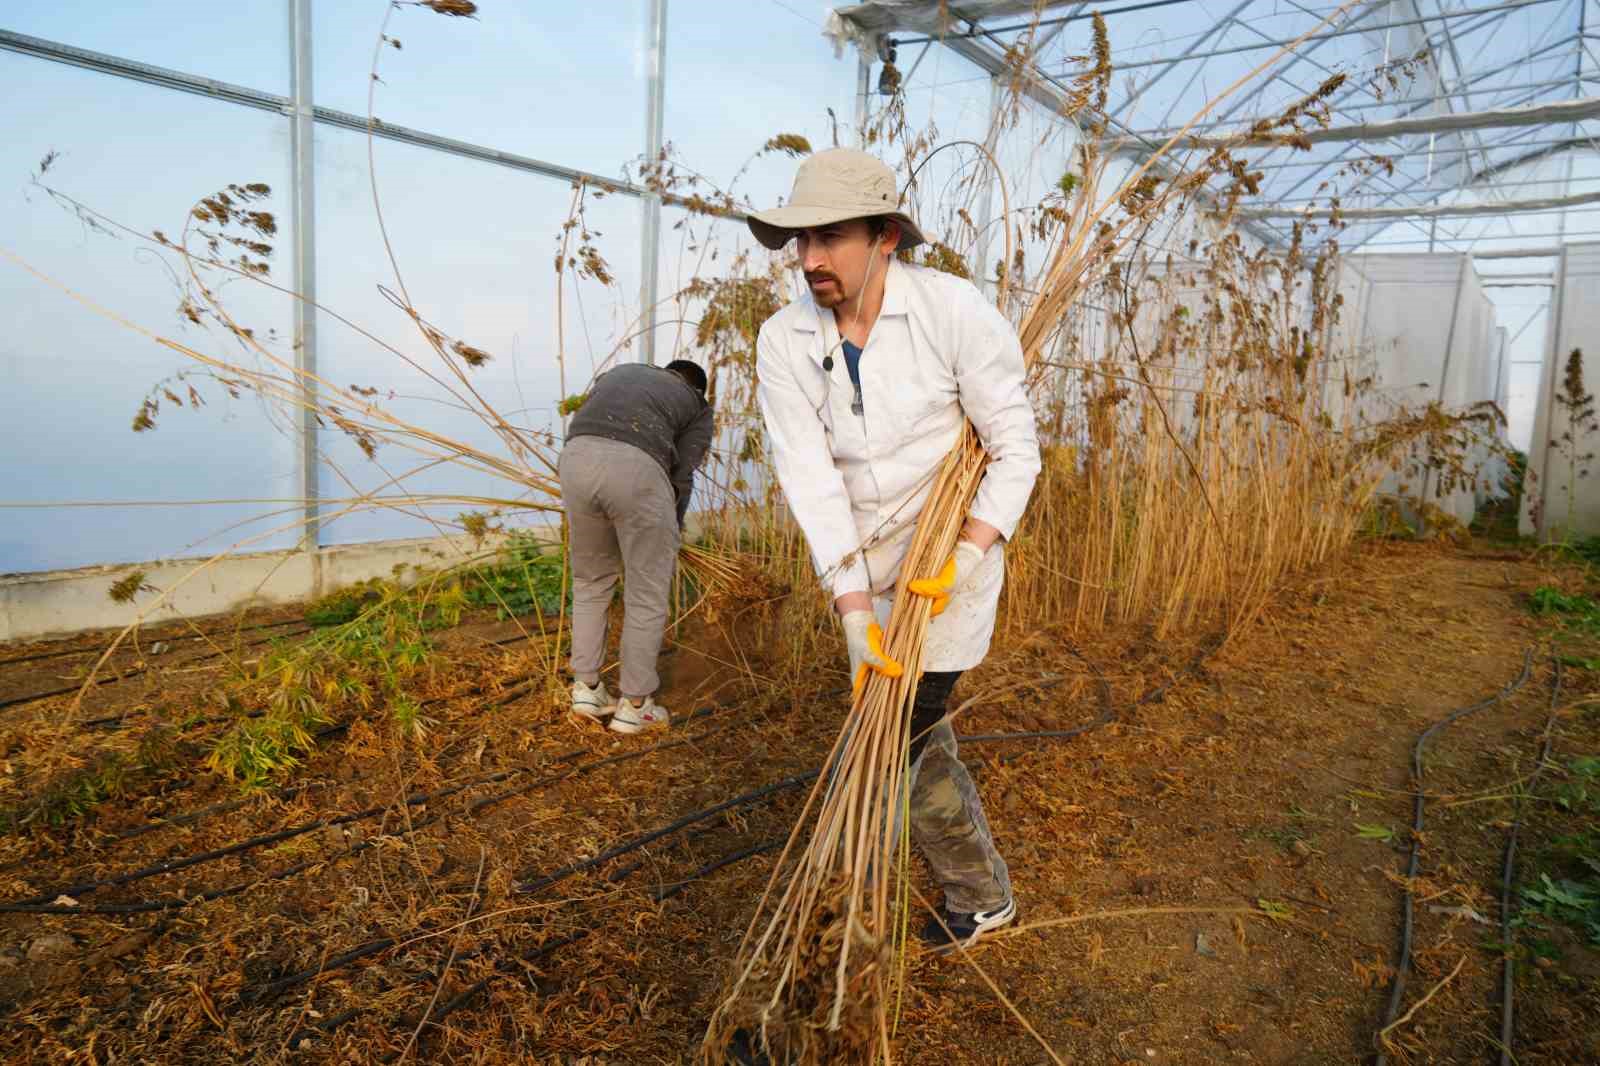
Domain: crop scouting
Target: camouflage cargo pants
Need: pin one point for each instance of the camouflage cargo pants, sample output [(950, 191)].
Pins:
[(947, 820)]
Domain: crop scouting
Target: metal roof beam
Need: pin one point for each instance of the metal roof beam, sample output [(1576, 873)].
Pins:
[(238, 94), (1513, 5), (1491, 19), (1520, 62), (1499, 207), (1497, 118)]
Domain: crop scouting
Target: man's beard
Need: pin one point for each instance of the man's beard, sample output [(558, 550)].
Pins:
[(829, 297)]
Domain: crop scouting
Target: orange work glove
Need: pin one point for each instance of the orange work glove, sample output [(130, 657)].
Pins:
[(957, 571), (864, 637)]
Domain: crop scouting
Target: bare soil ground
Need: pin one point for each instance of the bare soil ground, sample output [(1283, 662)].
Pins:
[(517, 887)]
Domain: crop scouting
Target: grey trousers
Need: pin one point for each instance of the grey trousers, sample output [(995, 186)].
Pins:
[(621, 516)]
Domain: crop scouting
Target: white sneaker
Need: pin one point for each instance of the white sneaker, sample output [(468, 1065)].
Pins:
[(595, 703), (636, 718)]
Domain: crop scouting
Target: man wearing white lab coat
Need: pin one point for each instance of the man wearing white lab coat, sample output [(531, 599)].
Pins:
[(864, 386)]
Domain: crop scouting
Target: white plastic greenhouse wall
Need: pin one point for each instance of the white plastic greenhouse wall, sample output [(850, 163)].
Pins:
[(1561, 495), (1425, 331)]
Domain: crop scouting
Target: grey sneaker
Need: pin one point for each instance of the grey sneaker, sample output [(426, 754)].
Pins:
[(965, 930), (594, 703), (630, 717)]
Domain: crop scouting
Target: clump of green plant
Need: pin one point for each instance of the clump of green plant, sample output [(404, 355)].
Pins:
[(1574, 610), (111, 775), (1567, 891), (257, 751), (1585, 548), (344, 605), (347, 667), (526, 577)]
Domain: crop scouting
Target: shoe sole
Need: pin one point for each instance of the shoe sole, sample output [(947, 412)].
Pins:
[(594, 714), (977, 935), (619, 725)]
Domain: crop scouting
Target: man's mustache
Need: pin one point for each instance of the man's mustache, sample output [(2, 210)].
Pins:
[(812, 279)]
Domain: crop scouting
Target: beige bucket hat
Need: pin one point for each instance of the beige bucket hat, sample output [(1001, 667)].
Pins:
[(832, 186)]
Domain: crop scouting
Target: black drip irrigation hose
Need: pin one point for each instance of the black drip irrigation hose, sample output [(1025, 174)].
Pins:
[(140, 671), (269, 991), (43, 903), (1407, 920), (1108, 714), (18, 701), (530, 887), (668, 891), (62, 653), (660, 894), (665, 892), (201, 814), (1508, 934)]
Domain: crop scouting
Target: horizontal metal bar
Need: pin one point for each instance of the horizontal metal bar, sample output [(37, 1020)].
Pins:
[(1520, 253), (1539, 114), (165, 78), (1436, 152), (1352, 200), (1060, 20), (1464, 13), (1422, 211), (1517, 284), (40, 48), (1356, 249), (1370, 105)]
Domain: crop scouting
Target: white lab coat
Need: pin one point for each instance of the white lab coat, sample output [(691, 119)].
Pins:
[(938, 353)]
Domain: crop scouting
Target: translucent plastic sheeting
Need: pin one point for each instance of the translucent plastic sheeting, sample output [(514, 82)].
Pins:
[(1562, 494), (559, 82), (1432, 336), (730, 86), (476, 247), (71, 380), (947, 100), (1525, 313), (245, 42), (1575, 172)]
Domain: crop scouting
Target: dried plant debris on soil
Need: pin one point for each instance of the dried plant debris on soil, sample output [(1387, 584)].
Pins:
[(1215, 875)]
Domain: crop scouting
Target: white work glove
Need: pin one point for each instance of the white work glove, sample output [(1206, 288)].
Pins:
[(864, 637), (957, 571)]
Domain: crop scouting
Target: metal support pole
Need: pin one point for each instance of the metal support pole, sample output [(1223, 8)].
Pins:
[(863, 91), (650, 239), (302, 194)]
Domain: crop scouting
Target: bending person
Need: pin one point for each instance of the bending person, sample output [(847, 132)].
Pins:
[(627, 472)]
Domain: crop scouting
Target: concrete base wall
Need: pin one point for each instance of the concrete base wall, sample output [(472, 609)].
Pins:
[(59, 602)]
